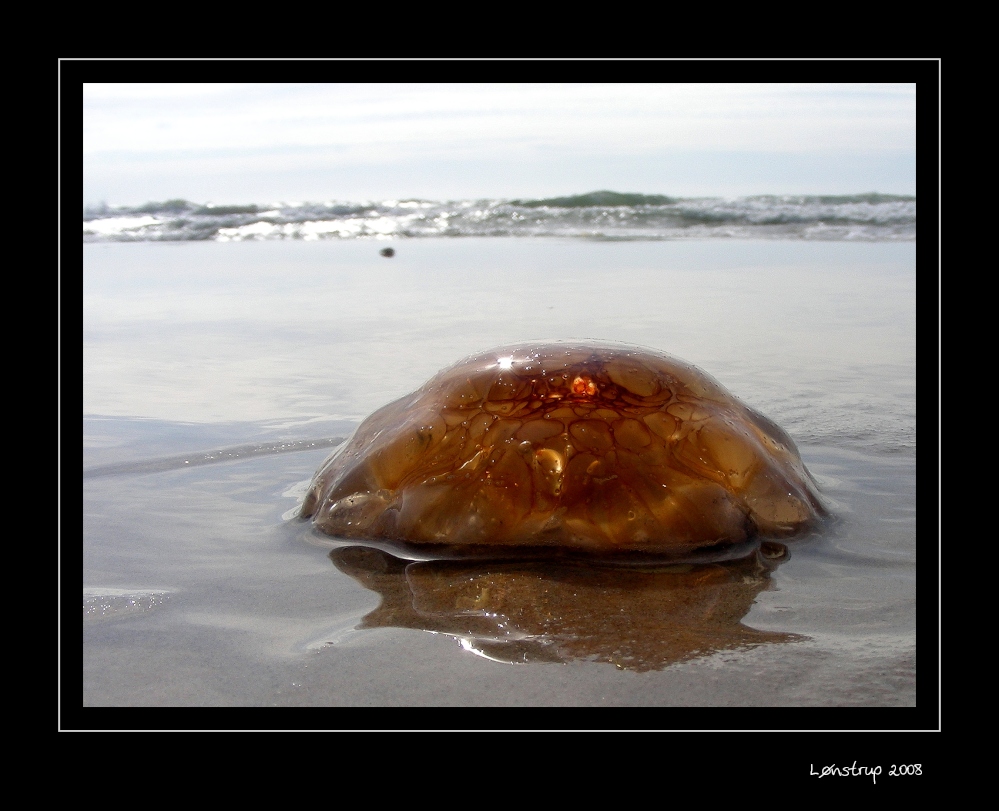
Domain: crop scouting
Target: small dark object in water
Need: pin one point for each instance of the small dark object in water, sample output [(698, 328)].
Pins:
[(387, 252)]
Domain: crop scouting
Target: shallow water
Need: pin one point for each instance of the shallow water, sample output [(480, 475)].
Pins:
[(200, 591)]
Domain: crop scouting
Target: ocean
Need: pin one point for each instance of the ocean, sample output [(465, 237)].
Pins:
[(597, 215), (227, 352)]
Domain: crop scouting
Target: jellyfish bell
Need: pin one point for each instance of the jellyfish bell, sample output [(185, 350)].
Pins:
[(595, 448)]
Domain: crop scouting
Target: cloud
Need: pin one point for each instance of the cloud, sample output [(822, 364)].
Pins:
[(378, 120), (190, 139)]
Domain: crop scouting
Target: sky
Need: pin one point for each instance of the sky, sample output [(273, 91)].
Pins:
[(266, 143)]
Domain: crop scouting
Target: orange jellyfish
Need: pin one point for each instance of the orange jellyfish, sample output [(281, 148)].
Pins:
[(586, 447)]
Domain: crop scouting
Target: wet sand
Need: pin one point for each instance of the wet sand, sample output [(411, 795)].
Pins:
[(201, 590)]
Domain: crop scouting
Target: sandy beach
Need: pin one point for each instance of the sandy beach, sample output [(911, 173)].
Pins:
[(201, 589)]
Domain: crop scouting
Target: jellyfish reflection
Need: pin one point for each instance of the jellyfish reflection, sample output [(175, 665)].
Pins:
[(559, 611)]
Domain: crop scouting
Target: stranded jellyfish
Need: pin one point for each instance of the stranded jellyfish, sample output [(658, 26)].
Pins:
[(585, 447)]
